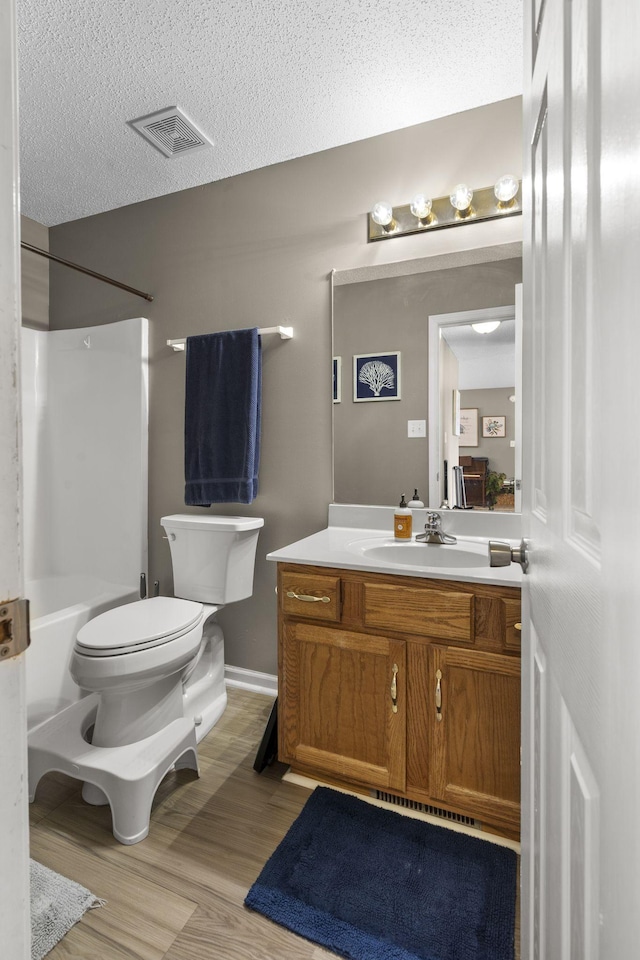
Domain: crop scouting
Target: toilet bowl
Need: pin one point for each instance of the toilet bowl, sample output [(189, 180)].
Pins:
[(135, 657), (154, 668)]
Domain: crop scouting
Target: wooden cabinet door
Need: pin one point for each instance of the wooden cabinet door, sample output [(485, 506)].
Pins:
[(475, 732), (342, 704)]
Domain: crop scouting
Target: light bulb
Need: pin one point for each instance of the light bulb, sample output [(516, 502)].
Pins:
[(506, 188), (461, 197), (382, 214), (487, 327), (420, 206)]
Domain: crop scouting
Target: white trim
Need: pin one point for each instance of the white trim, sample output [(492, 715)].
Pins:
[(251, 680), (443, 261), (14, 809)]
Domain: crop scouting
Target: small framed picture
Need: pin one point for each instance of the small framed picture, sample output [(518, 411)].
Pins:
[(376, 376), (494, 427), (469, 427), (337, 379)]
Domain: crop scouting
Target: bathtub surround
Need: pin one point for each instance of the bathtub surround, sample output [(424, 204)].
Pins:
[(260, 247), (56, 905), (223, 388), (85, 415)]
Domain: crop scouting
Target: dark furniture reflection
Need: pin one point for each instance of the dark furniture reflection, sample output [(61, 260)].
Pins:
[(475, 470)]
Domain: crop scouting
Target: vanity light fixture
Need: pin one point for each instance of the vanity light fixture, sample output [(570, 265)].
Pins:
[(487, 326), (420, 207), (461, 197), (461, 205), (506, 188), (382, 215)]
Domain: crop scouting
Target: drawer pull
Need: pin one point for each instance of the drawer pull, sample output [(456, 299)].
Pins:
[(306, 598), (394, 689), (438, 695), (517, 626)]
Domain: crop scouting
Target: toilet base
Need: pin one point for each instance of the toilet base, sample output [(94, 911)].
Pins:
[(204, 689), (127, 775)]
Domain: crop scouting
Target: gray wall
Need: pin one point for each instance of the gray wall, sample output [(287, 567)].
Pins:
[(490, 403), (375, 461), (257, 249)]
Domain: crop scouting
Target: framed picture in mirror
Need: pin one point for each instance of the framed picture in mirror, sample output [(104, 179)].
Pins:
[(337, 379), (468, 436), (494, 426), (376, 376)]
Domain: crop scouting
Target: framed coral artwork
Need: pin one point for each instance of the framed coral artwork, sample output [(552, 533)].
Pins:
[(376, 376)]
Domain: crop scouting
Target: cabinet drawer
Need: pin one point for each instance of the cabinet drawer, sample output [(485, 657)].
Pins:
[(442, 614), (495, 623), (310, 595)]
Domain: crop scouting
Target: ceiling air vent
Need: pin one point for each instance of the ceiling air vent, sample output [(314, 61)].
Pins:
[(171, 132)]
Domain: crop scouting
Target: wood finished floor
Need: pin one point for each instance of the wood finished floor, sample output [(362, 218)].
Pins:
[(178, 895)]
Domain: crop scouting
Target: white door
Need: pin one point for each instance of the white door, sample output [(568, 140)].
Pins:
[(14, 856), (581, 707)]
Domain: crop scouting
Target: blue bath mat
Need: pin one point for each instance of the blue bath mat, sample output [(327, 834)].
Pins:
[(372, 884)]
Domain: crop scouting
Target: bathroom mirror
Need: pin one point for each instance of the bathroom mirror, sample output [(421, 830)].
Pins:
[(391, 443)]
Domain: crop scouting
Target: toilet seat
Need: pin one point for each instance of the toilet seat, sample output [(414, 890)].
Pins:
[(138, 626)]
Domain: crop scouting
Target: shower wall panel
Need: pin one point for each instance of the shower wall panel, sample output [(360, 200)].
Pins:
[(85, 451)]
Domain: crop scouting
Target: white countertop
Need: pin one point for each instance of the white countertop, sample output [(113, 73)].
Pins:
[(348, 547)]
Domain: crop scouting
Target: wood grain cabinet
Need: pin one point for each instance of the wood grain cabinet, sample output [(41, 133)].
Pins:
[(405, 685)]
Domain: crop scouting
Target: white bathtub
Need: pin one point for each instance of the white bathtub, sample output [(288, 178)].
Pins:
[(59, 606)]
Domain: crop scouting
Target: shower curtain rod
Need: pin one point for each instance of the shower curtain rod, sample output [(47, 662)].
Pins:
[(89, 273)]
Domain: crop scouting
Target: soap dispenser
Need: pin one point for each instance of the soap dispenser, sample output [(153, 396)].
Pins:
[(402, 521), (416, 502)]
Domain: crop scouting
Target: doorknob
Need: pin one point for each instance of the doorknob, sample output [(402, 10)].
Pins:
[(502, 554)]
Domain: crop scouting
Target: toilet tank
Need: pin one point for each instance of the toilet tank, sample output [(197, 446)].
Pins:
[(213, 557)]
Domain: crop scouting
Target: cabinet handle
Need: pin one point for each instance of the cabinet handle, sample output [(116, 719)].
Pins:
[(307, 598), (394, 689), (438, 695), (517, 626)]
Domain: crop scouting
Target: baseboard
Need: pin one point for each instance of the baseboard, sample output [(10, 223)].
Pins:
[(251, 680)]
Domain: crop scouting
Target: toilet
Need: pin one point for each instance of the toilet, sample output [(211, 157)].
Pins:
[(154, 673)]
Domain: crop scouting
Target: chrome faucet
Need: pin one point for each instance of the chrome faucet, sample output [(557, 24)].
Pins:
[(433, 532)]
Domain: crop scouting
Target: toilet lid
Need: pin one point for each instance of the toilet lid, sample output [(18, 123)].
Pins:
[(137, 626)]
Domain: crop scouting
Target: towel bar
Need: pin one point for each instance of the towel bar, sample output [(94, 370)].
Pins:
[(286, 333)]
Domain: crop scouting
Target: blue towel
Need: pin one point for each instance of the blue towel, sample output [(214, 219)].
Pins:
[(222, 418)]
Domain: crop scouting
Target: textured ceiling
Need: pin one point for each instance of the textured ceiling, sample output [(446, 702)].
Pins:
[(267, 80)]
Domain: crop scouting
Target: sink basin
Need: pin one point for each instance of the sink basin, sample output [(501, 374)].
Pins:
[(463, 554)]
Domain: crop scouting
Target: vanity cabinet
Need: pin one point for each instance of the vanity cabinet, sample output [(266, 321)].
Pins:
[(403, 684)]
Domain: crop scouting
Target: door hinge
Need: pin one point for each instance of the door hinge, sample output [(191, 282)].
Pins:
[(14, 628)]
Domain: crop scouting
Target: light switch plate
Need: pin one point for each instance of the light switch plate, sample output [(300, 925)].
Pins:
[(416, 428)]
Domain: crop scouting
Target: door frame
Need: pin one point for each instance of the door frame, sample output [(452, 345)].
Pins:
[(15, 921)]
